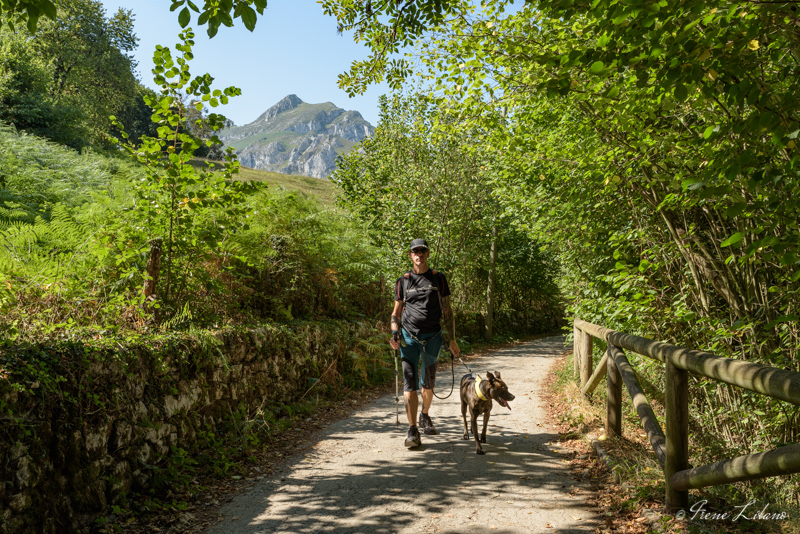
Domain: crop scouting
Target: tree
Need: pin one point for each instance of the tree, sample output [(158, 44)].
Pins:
[(25, 97), (175, 199), (91, 66)]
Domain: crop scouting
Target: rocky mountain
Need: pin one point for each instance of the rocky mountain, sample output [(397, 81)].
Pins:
[(294, 137)]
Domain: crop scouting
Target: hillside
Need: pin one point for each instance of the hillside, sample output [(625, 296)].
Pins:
[(294, 137)]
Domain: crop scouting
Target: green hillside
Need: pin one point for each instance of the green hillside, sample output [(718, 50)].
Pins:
[(323, 190)]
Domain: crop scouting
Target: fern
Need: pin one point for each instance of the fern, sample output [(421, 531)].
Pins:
[(45, 251)]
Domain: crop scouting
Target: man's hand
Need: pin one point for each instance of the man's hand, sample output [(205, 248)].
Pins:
[(394, 341), (454, 348)]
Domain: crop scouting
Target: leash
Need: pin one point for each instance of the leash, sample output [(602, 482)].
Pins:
[(425, 361)]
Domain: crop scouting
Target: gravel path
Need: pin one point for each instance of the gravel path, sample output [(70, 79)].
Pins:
[(360, 478)]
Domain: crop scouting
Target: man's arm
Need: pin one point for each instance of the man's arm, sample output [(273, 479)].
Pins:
[(397, 313), (396, 323)]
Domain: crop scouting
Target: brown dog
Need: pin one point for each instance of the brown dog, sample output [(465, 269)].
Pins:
[(477, 395)]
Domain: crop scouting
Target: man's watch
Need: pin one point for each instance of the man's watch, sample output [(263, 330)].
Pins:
[(396, 335)]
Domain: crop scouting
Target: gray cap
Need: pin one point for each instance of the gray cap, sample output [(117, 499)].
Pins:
[(418, 243)]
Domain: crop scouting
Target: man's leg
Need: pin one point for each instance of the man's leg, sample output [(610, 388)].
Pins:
[(428, 385), (413, 404), (410, 379), (427, 399)]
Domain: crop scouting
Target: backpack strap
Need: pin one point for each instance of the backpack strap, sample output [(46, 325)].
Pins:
[(436, 286)]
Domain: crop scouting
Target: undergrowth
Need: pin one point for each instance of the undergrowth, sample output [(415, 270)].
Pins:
[(640, 479)]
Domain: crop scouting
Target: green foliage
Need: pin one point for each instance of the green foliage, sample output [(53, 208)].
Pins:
[(28, 12), (414, 179), (654, 148), (74, 252), (385, 27), (304, 260), (176, 198), (26, 98), (220, 12), (64, 80), (89, 55)]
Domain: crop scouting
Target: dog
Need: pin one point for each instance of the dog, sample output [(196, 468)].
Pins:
[(477, 395)]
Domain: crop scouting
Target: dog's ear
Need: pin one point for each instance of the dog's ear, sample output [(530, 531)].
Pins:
[(490, 376), (497, 375)]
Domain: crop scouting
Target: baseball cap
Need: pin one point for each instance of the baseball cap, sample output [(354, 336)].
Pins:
[(418, 243)]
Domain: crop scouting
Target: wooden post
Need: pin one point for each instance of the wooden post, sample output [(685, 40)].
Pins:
[(586, 359), (677, 430), (576, 351), (614, 408)]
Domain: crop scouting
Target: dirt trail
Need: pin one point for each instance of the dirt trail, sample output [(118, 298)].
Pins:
[(360, 478)]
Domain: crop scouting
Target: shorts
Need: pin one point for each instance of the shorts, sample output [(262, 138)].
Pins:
[(412, 353)]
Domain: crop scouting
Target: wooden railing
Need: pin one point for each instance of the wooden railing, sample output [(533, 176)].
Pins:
[(671, 446)]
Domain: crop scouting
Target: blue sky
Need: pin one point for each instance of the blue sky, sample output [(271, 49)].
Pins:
[(293, 49)]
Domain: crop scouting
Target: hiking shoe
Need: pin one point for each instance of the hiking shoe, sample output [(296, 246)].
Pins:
[(426, 424), (413, 439)]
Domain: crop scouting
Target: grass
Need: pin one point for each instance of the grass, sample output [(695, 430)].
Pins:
[(315, 187), (322, 189)]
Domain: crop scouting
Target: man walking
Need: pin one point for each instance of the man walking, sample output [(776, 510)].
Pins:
[(422, 303)]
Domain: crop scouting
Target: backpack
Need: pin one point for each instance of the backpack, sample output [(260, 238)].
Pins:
[(434, 287)]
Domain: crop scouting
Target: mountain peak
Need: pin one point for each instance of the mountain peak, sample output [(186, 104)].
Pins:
[(284, 104), (294, 137)]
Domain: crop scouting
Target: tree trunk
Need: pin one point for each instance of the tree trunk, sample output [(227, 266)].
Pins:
[(490, 287), (153, 268)]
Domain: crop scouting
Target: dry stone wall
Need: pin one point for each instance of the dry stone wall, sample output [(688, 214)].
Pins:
[(76, 443)]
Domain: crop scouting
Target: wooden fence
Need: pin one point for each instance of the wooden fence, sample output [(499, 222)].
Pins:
[(671, 445)]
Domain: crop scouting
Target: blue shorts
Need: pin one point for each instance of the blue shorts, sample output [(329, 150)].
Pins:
[(413, 352)]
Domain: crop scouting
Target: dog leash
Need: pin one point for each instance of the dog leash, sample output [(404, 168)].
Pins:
[(425, 358)]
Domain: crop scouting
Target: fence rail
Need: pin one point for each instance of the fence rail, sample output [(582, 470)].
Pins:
[(671, 446)]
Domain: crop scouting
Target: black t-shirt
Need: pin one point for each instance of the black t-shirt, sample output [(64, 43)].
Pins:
[(422, 313)]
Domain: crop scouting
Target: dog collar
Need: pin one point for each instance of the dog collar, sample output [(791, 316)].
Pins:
[(478, 391)]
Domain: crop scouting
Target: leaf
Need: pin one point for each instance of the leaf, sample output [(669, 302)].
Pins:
[(49, 9), (185, 17), (735, 209), (681, 93), (249, 18), (708, 132), (732, 240), (753, 45), (782, 319), (597, 67)]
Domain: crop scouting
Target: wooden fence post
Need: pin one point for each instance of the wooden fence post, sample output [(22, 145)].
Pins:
[(614, 407), (586, 359), (677, 431)]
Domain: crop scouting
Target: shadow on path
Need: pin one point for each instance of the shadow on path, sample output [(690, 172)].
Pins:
[(360, 478)]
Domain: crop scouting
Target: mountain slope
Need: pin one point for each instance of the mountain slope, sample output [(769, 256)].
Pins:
[(294, 137)]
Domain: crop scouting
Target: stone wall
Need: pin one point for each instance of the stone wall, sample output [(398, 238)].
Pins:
[(76, 441)]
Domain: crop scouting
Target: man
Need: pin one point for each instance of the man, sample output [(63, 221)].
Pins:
[(422, 303)]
